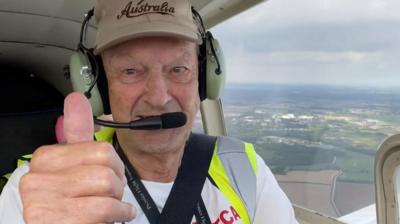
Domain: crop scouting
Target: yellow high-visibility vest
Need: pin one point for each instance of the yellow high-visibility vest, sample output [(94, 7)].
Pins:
[(233, 169)]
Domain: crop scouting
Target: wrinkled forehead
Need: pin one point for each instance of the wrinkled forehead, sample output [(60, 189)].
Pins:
[(153, 45)]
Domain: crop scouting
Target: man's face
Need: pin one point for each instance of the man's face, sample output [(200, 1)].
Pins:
[(151, 76)]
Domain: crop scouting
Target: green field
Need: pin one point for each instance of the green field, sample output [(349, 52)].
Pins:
[(348, 145)]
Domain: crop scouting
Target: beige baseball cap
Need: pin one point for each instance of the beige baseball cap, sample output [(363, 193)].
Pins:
[(122, 20)]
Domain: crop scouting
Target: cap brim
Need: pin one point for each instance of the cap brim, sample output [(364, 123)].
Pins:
[(161, 29)]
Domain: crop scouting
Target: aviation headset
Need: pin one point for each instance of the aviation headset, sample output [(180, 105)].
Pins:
[(88, 75)]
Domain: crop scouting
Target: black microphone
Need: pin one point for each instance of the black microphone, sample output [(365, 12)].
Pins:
[(163, 121)]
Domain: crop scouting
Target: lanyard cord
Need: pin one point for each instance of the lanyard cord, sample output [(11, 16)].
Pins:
[(145, 200), (201, 213), (138, 189)]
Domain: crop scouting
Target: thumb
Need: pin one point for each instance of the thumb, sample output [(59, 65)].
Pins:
[(78, 119), (59, 129)]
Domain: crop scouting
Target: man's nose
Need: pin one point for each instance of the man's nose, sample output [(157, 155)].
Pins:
[(157, 90)]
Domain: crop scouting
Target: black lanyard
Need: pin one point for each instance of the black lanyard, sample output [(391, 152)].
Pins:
[(183, 202), (201, 214)]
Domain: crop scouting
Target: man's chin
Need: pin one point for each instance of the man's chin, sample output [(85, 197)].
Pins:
[(159, 134), (161, 140)]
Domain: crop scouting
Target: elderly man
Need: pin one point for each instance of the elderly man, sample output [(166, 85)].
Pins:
[(149, 50)]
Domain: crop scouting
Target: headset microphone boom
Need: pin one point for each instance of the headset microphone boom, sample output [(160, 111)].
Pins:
[(163, 121)]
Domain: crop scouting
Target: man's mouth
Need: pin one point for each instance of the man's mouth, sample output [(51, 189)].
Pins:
[(138, 117)]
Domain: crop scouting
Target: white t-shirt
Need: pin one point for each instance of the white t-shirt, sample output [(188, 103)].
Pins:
[(273, 207)]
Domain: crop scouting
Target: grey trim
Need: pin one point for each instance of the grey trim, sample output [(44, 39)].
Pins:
[(237, 166), (36, 44), (47, 16)]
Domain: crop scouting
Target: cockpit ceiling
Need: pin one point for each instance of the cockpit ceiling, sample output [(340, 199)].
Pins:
[(42, 34), (213, 11)]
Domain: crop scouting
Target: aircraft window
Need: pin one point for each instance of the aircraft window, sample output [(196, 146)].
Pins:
[(315, 86)]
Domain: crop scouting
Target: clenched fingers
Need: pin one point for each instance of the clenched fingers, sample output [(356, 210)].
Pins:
[(48, 208), (76, 181), (53, 158)]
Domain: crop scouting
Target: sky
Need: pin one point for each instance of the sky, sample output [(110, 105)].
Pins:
[(330, 42)]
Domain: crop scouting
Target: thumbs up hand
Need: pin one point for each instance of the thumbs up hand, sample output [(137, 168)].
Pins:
[(79, 182)]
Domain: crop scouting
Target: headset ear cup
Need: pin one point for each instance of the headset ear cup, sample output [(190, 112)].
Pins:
[(81, 72), (215, 68)]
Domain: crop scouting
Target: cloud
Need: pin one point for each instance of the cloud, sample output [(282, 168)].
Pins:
[(339, 42), (322, 57), (314, 36), (281, 12)]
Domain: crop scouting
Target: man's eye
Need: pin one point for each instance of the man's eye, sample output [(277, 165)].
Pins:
[(131, 75), (180, 74), (180, 69), (130, 71)]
